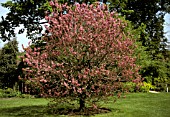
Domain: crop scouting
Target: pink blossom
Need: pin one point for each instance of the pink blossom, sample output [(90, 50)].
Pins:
[(52, 3), (46, 18), (66, 85), (87, 54), (79, 90)]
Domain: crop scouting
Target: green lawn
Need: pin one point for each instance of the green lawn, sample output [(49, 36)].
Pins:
[(134, 105)]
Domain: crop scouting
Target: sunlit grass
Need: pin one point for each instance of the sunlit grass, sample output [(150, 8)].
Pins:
[(140, 105)]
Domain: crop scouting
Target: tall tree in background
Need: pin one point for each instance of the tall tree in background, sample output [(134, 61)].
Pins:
[(8, 64), (150, 14), (29, 13)]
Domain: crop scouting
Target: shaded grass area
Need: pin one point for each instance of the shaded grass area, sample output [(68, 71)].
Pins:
[(20, 107), (134, 105)]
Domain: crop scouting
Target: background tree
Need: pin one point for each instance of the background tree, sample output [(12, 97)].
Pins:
[(29, 13), (8, 64), (150, 14), (88, 55)]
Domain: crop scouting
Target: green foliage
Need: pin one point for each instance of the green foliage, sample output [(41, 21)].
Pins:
[(146, 87), (25, 96), (155, 73), (141, 87), (19, 14), (31, 18), (143, 59), (8, 64), (131, 86), (148, 18), (8, 93)]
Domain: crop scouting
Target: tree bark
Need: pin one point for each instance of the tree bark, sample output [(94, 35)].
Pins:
[(82, 104)]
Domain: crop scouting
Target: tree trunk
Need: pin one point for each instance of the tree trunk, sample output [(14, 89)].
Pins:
[(82, 104)]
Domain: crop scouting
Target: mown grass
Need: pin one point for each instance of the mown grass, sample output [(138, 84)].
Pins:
[(134, 105)]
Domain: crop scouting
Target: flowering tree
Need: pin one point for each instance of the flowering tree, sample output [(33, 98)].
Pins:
[(88, 55)]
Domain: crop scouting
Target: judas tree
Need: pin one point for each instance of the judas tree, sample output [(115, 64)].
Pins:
[(88, 54)]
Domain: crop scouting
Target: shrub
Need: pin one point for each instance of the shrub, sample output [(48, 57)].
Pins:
[(8, 92), (131, 86), (146, 87)]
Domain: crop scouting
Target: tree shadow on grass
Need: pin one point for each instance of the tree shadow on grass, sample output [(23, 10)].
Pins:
[(43, 111), (24, 111), (85, 112)]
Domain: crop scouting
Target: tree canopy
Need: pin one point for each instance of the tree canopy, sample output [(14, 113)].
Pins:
[(8, 64), (29, 13), (88, 55), (150, 15)]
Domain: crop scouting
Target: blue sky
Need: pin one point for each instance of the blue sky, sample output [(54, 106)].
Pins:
[(167, 25), (21, 38)]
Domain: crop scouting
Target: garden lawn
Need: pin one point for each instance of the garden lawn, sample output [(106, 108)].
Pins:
[(134, 105)]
